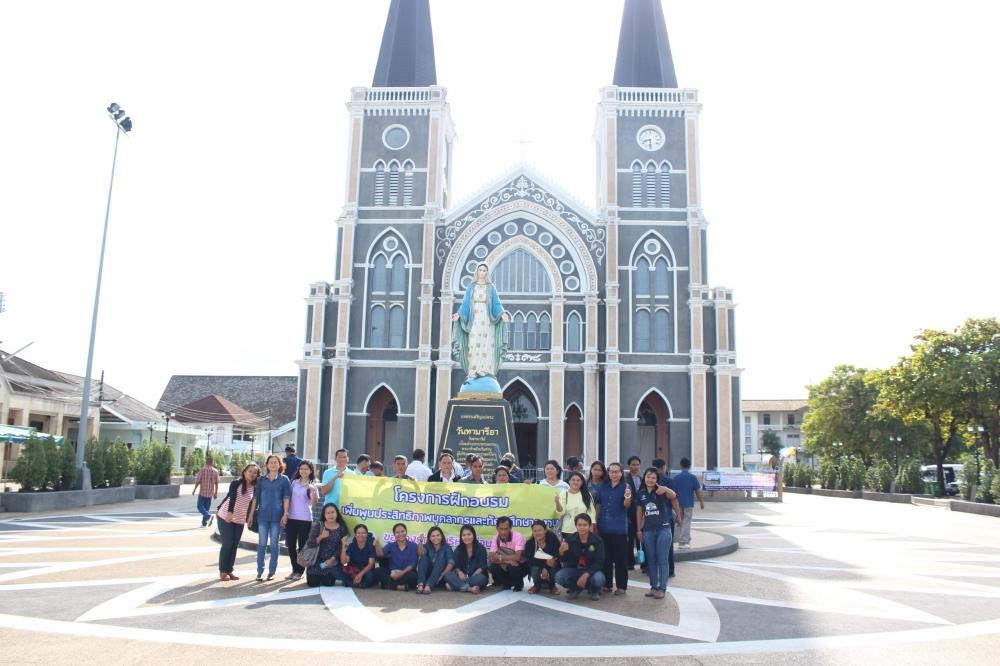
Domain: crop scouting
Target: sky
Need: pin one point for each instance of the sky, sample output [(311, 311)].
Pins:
[(848, 162)]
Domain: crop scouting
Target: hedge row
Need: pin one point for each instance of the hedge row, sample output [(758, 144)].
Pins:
[(45, 465)]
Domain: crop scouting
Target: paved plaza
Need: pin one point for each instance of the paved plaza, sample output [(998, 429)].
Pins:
[(819, 580)]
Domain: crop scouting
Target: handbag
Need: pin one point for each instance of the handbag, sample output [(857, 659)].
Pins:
[(255, 525), (640, 555), (308, 555)]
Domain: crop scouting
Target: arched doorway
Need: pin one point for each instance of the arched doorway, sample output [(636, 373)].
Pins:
[(525, 415), (653, 429), (573, 432), (382, 418)]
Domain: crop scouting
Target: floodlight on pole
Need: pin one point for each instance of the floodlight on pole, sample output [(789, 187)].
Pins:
[(122, 124)]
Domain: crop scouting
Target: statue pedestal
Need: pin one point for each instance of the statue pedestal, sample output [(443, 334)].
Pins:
[(479, 423)]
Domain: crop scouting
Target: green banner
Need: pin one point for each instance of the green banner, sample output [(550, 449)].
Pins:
[(381, 502)]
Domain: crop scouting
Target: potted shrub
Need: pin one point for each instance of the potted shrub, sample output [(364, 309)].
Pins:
[(151, 467)]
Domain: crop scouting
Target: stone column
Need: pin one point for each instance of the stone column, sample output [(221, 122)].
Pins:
[(612, 372), (591, 381), (444, 364)]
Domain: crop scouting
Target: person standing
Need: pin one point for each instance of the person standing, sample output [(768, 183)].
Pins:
[(573, 502), (614, 500), (553, 476), (475, 474), (634, 478), (597, 476), (333, 476), (208, 481), (661, 468), (506, 556), (655, 505), (399, 468), (583, 561), (291, 462), (300, 512), (687, 487), (363, 465), (516, 476), (456, 466), (274, 492), (417, 469), (377, 469), (446, 469), (235, 510)]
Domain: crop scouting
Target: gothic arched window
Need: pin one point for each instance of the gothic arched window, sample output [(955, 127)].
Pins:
[(642, 331), (661, 331), (407, 183), (379, 274), (518, 327), (398, 285), (394, 183), (531, 331), (520, 272), (661, 278), (573, 331), (376, 337), (636, 184), (396, 327), (642, 277), (650, 185), (378, 197), (664, 193), (544, 332)]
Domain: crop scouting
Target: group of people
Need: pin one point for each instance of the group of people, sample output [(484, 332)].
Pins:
[(609, 520)]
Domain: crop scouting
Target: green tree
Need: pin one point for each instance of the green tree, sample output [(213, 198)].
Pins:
[(909, 478), (839, 420), (153, 464), (878, 477), (116, 462), (31, 470), (770, 442), (924, 389), (852, 473), (93, 454), (53, 463), (828, 475), (194, 461), (67, 467), (788, 474), (978, 344)]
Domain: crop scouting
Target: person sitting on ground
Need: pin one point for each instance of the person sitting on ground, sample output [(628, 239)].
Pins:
[(516, 476), (377, 468), (501, 474), (475, 474), (583, 561), (446, 469), (437, 560), (401, 574), (417, 469), (507, 556), (399, 468), (553, 476), (574, 501), (357, 561), (328, 533), (655, 505), (363, 465), (469, 574), (542, 553), (455, 464)]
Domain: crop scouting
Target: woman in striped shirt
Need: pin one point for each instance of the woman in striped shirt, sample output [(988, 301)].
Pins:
[(234, 511)]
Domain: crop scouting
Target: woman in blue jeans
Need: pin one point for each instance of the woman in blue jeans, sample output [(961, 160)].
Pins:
[(436, 561), (654, 513), (273, 493), (469, 574)]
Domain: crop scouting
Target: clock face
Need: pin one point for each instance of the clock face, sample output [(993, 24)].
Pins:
[(395, 137), (650, 137)]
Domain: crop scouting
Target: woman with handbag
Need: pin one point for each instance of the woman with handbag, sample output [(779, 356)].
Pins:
[(327, 536), (234, 511), (358, 560), (654, 513), (300, 511)]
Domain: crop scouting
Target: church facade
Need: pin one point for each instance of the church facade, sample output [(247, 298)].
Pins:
[(618, 346)]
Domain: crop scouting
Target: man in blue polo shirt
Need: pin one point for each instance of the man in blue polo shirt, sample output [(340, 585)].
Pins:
[(686, 485)]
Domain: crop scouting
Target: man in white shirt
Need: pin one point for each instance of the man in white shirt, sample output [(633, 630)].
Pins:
[(417, 469), (456, 466)]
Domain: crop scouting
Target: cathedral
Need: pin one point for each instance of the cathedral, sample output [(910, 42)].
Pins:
[(617, 344)]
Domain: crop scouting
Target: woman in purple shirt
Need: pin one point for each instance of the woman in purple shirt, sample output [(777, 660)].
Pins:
[(300, 508)]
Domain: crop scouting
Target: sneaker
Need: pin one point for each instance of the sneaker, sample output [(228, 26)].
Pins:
[(619, 592), (573, 594), (595, 596), (684, 546)]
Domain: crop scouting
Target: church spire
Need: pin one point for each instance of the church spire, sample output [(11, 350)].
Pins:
[(643, 48), (406, 58)]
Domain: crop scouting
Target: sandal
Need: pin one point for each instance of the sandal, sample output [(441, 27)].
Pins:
[(532, 590)]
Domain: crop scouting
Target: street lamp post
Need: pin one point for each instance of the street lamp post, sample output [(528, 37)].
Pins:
[(122, 124), (166, 431)]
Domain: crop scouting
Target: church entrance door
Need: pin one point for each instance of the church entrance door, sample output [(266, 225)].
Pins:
[(653, 430), (525, 415), (382, 419), (573, 432)]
